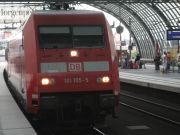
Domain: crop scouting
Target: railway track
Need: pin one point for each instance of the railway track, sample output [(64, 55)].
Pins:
[(89, 131), (99, 131), (161, 111), (55, 129)]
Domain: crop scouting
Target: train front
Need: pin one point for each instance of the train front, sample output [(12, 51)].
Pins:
[(78, 74)]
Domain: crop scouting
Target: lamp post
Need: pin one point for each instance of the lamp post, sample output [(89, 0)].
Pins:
[(130, 46), (120, 35), (119, 30), (178, 40), (178, 23), (178, 47)]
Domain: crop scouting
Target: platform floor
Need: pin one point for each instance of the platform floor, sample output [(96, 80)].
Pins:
[(12, 120), (149, 77)]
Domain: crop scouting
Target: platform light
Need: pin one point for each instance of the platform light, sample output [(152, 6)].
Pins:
[(47, 81), (74, 53)]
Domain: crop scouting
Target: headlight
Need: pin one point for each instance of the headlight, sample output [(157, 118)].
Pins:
[(74, 53), (47, 81), (104, 79)]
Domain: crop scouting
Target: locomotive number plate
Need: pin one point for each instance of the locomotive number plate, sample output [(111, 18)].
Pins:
[(76, 80), (75, 66)]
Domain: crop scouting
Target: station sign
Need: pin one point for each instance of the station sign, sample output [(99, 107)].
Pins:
[(173, 34)]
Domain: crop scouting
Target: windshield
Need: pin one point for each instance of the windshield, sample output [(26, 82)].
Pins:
[(62, 37)]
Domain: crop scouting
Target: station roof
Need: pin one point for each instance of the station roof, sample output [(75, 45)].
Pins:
[(147, 20)]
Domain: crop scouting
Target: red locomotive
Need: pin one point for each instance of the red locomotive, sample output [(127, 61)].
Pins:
[(65, 63)]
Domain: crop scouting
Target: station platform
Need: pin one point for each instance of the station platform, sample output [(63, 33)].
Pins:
[(149, 77), (12, 120)]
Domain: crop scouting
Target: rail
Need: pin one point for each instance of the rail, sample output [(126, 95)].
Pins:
[(139, 104)]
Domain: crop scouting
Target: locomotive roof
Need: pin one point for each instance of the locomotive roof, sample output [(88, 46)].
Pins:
[(64, 12)]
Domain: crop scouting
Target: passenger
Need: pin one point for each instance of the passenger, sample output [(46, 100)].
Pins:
[(168, 60), (123, 63), (178, 62), (164, 60), (130, 64), (144, 63), (157, 61), (137, 60), (126, 62), (173, 63), (140, 64), (128, 59)]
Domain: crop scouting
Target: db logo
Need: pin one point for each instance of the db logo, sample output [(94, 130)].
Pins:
[(74, 67)]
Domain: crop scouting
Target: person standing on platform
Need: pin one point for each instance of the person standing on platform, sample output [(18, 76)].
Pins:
[(157, 61), (178, 62), (168, 60), (164, 60), (137, 60)]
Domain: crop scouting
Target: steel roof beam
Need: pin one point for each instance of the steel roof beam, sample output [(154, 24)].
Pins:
[(127, 26), (139, 20), (157, 10), (98, 1)]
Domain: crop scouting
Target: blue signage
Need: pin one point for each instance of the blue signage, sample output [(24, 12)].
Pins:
[(173, 34)]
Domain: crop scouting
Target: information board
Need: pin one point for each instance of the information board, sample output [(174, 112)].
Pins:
[(173, 34)]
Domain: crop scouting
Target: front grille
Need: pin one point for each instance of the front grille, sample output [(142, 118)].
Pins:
[(72, 105), (59, 100)]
